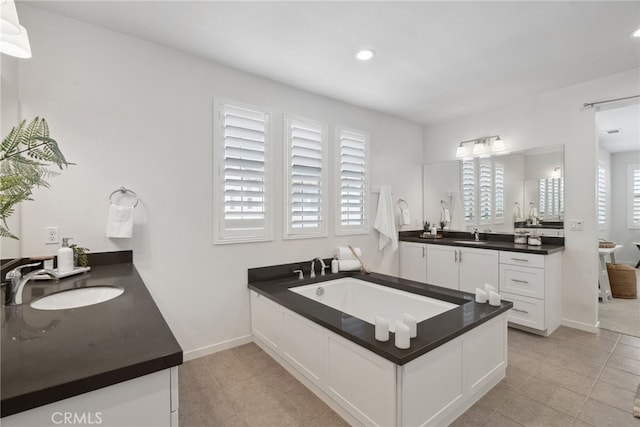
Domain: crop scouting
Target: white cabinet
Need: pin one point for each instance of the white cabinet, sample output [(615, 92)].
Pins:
[(413, 261), (461, 268), (532, 283), (150, 400)]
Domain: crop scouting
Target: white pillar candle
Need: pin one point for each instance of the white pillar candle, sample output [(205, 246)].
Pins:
[(402, 335), (488, 288), (481, 296), (494, 298), (382, 329), (412, 323)]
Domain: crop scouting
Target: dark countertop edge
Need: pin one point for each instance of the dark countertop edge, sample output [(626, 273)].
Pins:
[(380, 348), (544, 249), (17, 404)]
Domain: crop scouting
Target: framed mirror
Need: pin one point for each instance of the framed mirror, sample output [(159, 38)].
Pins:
[(496, 193)]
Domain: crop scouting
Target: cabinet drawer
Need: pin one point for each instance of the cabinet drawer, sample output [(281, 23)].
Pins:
[(520, 258), (525, 281), (526, 311)]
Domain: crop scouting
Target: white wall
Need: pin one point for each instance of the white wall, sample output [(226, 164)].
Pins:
[(555, 117), (620, 191), (135, 114)]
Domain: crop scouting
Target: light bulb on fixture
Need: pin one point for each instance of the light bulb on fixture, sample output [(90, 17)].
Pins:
[(365, 54), (556, 172), (9, 18), (479, 148), (498, 145), (16, 45), (461, 151)]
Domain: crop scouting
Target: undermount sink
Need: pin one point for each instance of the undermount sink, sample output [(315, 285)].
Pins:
[(472, 242), (79, 297)]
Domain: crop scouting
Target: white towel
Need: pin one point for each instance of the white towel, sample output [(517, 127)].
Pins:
[(445, 215), (385, 220), (120, 222), (349, 265), (406, 216), (344, 253)]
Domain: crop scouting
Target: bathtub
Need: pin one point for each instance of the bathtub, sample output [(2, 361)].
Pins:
[(366, 300)]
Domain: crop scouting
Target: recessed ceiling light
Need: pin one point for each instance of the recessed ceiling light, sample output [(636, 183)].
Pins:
[(636, 33), (365, 54)]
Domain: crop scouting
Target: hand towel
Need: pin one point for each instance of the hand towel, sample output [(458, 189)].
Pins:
[(349, 265), (344, 253), (406, 216), (445, 215), (120, 222), (385, 220)]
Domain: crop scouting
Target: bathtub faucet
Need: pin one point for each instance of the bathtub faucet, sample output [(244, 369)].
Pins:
[(313, 267)]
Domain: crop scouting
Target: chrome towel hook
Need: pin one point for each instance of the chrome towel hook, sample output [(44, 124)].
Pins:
[(125, 192)]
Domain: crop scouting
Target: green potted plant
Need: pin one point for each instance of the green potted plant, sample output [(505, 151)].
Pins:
[(427, 226), (26, 155), (80, 255)]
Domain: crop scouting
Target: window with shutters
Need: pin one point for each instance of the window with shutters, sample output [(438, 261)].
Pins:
[(602, 195), (242, 182), (352, 159), (551, 198), (633, 185), (482, 190), (305, 173)]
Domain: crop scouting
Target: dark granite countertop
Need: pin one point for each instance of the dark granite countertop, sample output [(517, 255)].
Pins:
[(549, 245), (432, 332), (48, 356)]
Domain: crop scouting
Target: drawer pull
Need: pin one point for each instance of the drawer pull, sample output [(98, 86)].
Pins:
[(520, 281), (519, 311), (520, 259)]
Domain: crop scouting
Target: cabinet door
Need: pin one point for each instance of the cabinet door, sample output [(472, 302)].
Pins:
[(442, 266), (477, 267), (413, 261)]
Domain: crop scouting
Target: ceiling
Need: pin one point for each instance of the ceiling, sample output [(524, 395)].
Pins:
[(435, 60), (624, 119)]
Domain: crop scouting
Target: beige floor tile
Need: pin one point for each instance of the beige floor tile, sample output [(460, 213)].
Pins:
[(613, 396), (474, 416), (579, 423), (329, 419), (627, 351), (309, 406), (568, 379), (572, 361), (553, 395), (603, 415), (204, 407), (522, 361), (529, 412), (630, 340), (499, 420), (515, 377), (624, 364), (620, 378)]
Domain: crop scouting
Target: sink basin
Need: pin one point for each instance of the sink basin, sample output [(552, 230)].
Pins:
[(472, 242), (79, 297)]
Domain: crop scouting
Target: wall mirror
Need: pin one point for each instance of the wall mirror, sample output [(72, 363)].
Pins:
[(493, 193)]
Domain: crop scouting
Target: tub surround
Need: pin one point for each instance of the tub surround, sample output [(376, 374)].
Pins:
[(48, 356), (432, 333), (501, 242)]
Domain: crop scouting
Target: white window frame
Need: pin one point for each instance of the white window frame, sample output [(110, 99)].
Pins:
[(602, 196), (290, 231), (474, 197), (363, 227), (633, 196), (222, 234)]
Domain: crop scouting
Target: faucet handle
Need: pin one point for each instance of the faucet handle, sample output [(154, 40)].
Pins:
[(300, 275), (17, 272)]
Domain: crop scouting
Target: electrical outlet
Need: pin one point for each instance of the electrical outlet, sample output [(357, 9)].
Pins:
[(52, 236), (576, 225)]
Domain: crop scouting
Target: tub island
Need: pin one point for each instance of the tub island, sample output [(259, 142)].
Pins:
[(326, 339)]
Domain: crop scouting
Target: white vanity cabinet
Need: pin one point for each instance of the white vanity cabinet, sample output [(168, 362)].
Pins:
[(413, 261), (461, 268), (532, 283)]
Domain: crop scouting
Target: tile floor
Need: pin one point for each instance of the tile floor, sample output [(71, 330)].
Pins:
[(572, 378), (621, 314)]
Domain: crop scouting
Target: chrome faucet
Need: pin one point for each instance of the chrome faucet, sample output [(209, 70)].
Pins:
[(15, 282), (476, 234), (313, 267)]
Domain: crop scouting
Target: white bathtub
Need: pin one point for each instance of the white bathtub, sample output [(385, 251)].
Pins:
[(366, 300)]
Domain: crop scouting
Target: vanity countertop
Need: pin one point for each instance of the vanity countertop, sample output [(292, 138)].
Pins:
[(492, 242), (49, 356), (432, 332)]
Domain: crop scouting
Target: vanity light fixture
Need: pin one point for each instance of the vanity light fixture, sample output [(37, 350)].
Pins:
[(481, 147), (14, 40), (556, 172), (365, 54), (636, 34)]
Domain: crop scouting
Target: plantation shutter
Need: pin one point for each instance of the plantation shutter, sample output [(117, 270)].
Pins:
[(551, 205), (602, 194), (468, 191), (306, 161), (498, 194), (542, 202), (353, 159), (242, 169), (633, 216), (485, 192)]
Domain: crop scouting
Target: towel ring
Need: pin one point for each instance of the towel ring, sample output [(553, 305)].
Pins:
[(125, 191), (403, 204)]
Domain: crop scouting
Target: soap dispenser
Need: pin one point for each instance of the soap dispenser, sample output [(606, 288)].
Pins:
[(65, 257)]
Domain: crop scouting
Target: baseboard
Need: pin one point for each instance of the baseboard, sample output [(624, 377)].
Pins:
[(210, 349), (581, 326)]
